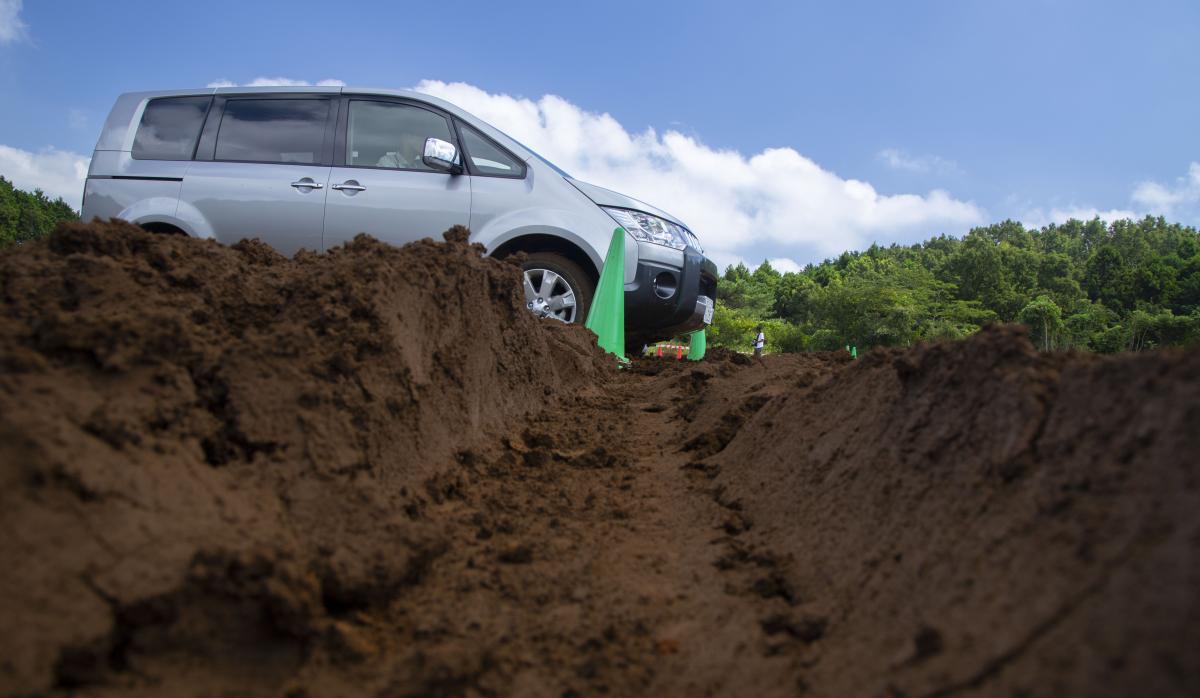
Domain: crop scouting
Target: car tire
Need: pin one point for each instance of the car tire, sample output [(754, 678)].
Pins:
[(569, 275)]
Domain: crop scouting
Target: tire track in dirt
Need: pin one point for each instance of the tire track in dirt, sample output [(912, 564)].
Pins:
[(760, 635), (600, 564)]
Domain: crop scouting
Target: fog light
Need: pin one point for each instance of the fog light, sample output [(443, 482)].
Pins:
[(665, 285)]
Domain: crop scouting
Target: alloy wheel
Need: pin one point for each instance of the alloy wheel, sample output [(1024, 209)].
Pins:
[(547, 294)]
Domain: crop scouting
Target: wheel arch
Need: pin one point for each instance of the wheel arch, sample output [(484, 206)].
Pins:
[(541, 242), (162, 228), (158, 214)]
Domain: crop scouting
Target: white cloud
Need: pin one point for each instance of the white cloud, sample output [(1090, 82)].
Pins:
[(277, 82), (11, 27), (1164, 200), (784, 265), (56, 172), (1038, 217), (779, 264), (777, 199), (923, 164), (1180, 202)]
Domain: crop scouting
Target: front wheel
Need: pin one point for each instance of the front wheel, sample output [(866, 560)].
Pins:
[(556, 287)]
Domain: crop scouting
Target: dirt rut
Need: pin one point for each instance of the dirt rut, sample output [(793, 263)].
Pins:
[(370, 472)]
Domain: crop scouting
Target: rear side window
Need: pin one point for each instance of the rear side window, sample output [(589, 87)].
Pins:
[(273, 130), (488, 159), (169, 128)]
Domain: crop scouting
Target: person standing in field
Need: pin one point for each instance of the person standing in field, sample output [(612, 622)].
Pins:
[(759, 340)]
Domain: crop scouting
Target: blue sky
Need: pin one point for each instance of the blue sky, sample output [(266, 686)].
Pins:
[(834, 125)]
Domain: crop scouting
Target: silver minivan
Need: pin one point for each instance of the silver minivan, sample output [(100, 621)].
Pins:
[(310, 168)]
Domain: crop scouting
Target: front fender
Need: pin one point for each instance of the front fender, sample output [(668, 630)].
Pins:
[(592, 235)]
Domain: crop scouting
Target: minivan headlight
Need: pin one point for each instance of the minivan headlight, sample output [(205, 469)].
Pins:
[(649, 228)]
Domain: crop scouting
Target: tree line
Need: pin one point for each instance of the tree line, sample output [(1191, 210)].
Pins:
[(1124, 286), (25, 216)]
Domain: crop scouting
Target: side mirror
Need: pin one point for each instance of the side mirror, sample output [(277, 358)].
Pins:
[(441, 155)]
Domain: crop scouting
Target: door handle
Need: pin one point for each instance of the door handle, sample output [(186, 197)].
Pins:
[(311, 184), (349, 187)]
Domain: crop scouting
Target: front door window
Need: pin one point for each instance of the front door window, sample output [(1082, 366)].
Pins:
[(391, 136)]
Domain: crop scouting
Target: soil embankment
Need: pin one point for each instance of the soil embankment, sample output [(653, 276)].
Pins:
[(371, 472), (976, 517)]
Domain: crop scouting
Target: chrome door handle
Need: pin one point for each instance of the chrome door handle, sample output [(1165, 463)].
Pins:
[(348, 187), (311, 184)]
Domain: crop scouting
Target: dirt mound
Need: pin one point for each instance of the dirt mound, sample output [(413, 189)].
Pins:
[(214, 456), (372, 472), (973, 517)]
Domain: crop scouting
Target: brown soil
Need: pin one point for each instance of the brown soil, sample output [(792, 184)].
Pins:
[(371, 472)]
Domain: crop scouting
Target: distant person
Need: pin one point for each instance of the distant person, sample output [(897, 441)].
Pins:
[(759, 340), (408, 157)]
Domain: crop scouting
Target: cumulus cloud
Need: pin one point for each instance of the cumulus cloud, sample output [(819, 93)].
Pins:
[(11, 27), (55, 172), (784, 265), (1179, 201), (922, 164), (277, 82), (776, 199), (1167, 200), (1038, 217)]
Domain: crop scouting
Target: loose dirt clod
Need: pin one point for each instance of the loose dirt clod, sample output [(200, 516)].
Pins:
[(372, 472)]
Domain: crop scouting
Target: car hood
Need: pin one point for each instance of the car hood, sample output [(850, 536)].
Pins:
[(608, 197)]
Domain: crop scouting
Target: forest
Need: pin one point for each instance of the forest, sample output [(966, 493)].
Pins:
[(25, 216), (1087, 285)]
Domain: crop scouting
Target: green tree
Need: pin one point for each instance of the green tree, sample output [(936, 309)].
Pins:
[(1107, 278), (1044, 318), (732, 328), (1083, 285), (794, 297), (1087, 327), (25, 216)]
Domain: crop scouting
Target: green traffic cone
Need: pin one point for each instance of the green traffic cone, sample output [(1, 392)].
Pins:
[(606, 317), (697, 345)]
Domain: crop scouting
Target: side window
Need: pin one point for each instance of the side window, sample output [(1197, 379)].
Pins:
[(273, 130), (169, 128), (391, 135), (486, 158)]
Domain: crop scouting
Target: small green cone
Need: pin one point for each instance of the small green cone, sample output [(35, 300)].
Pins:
[(606, 317), (854, 352), (697, 344)]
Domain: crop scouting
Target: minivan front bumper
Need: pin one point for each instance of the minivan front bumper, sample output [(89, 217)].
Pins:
[(665, 300)]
